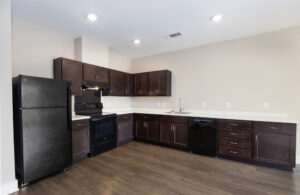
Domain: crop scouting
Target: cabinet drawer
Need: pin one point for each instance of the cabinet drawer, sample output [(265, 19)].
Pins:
[(145, 117), (236, 143), (124, 117), (224, 133), (174, 119), (235, 124), (282, 128), (80, 124), (236, 152)]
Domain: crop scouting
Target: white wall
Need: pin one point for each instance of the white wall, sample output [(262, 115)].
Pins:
[(35, 47), (247, 72), (8, 182)]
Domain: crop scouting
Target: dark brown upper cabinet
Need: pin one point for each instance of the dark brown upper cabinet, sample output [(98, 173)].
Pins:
[(128, 84), (116, 82), (95, 73), (141, 84), (160, 83), (70, 70)]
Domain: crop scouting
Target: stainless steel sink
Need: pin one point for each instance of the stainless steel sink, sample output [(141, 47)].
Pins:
[(172, 112), (182, 112)]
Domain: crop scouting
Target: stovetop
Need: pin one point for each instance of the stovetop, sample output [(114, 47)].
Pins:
[(94, 114)]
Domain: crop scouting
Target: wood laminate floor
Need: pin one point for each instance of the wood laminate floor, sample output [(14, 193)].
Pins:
[(139, 168)]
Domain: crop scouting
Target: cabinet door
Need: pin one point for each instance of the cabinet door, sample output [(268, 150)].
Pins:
[(141, 129), (166, 133), (102, 75), (274, 148), (141, 86), (69, 70), (181, 135), (156, 83), (124, 128), (152, 131), (128, 84), (116, 82), (80, 138), (90, 72)]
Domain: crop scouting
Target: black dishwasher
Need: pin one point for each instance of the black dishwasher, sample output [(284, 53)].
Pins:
[(203, 136)]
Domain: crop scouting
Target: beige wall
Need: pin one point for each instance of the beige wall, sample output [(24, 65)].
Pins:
[(8, 182), (35, 47), (247, 72)]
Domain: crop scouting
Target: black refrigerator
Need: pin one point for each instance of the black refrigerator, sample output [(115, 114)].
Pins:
[(42, 127)]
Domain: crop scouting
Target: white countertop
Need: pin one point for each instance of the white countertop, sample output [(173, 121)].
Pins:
[(79, 117), (251, 116)]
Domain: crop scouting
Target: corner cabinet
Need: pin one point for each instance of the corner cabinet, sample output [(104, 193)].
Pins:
[(70, 70), (274, 143)]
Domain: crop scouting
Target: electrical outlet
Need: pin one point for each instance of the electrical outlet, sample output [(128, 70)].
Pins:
[(266, 105), (204, 104), (228, 105)]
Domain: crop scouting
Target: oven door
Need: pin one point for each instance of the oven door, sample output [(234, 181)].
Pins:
[(103, 133)]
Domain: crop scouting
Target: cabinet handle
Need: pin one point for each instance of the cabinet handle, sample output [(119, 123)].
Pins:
[(125, 117), (88, 132), (274, 128), (234, 124), (174, 134), (234, 143), (233, 133), (233, 152), (79, 125)]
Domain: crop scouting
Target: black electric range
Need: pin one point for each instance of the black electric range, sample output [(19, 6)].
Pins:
[(103, 130)]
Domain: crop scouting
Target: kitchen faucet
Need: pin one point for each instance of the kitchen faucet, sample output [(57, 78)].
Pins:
[(180, 108)]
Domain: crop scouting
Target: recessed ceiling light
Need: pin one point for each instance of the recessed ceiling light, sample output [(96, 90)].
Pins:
[(136, 41), (92, 17), (217, 18)]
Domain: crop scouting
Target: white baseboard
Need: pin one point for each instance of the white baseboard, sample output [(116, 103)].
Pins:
[(298, 160), (9, 188)]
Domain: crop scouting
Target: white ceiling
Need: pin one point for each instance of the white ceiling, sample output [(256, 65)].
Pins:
[(121, 21)]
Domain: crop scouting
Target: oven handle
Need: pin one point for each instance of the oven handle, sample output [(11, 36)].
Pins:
[(97, 119)]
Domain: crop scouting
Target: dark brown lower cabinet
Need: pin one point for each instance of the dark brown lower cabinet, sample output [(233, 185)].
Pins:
[(274, 143), (174, 131), (80, 139), (146, 127), (124, 128)]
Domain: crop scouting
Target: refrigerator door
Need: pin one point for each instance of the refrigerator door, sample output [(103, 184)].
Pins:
[(38, 92), (46, 142)]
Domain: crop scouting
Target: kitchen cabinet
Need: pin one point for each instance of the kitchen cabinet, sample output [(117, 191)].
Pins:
[(160, 83), (80, 139), (234, 139), (128, 84), (70, 70), (146, 127), (274, 143), (141, 84), (174, 131), (116, 83), (95, 73), (124, 128)]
